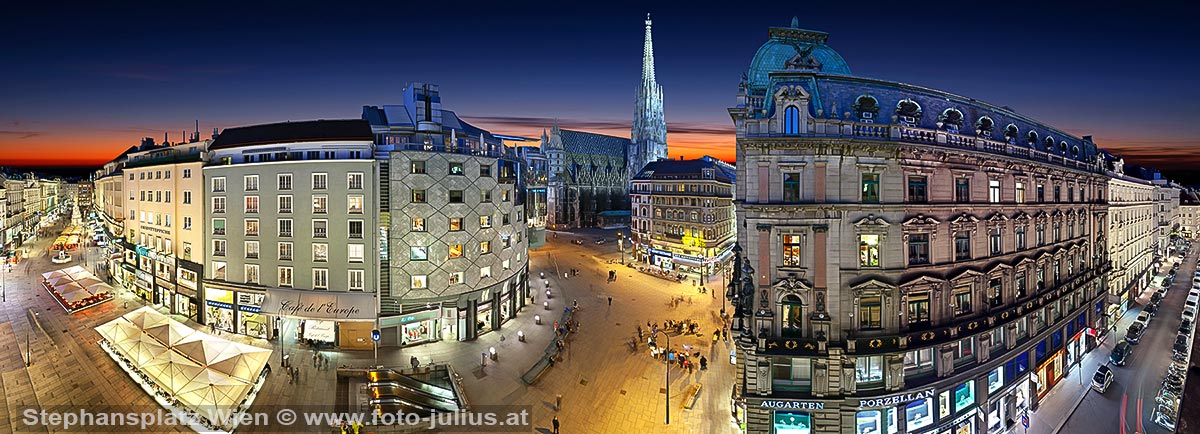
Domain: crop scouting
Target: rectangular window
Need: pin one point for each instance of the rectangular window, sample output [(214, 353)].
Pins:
[(1020, 238), (870, 188), (962, 246), (252, 227), (456, 196), (868, 250), (918, 249), (284, 181), (187, 173), (1020, 192), (285, 227), (218, 247), (285, 204), (356, 229), (418, 224), (418, 196), (791, 187), (218, 185), (456, 224), (485, 221), (218, 270), (355, 253), (187, 197), (320, 181), (218, 204), (456, 250), (962, 300), (320, 278), (456, 278), (791, 250), (1019, 278), (994, 242), (918, 189), (485, 272), (187, 223), (354, 204), (357, 280), (1057, 193), (218, 226), (251, 182), (485, 196), (1041, 193), (869, 371), (354, 181), (485, 247), (418, 167), (285, 251), (251, 204), (320, 204), (320, 228), (251, 249), (419, 281), (1041, 235), (418, 253), (285, 277), (994, 191), (485, 170), (870, 312), (320, 252), (918, 308), (456, 169)]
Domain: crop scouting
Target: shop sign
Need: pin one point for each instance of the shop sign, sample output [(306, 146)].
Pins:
[(888, 401), (321, 306), (659, 252), (791, 346), (792, 405)]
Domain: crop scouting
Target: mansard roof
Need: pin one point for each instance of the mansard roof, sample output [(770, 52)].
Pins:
[(292, 132), (579, 142), (687, 169)]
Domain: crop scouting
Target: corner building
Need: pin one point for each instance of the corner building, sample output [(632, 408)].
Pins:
[(915, 261), (455, 262)]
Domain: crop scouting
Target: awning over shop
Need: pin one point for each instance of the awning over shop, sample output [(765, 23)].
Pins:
[(322, 305)]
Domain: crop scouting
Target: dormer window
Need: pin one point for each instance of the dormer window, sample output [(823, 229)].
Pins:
[(1048, 143), (791, 121), (908, 111), (867, 107), (1011, 133), (1032, 137), (984, 126), (952, 119)]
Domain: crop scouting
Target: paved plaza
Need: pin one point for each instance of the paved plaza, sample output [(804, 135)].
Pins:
[(607, 386)]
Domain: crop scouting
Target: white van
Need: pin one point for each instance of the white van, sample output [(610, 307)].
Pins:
[(1191, 302)]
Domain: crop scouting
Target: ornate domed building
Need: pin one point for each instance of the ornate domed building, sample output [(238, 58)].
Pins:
[(914, 261)]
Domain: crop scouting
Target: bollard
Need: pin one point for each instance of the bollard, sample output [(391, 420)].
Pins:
[(537, 319)]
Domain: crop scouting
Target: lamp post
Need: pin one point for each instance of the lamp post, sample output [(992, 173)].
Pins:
[(667, 399), (621, 246)]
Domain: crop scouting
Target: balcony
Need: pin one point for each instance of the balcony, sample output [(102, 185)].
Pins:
[(901, 133)]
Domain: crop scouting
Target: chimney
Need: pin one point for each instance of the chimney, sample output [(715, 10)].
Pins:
[(166, 138)]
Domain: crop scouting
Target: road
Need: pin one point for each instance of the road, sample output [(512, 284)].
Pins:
[(1128, 406)]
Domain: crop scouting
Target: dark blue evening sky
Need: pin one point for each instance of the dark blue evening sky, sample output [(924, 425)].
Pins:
[(91, 79)]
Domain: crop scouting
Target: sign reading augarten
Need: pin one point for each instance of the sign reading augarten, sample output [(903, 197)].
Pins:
[(799, 405), (895, 399)]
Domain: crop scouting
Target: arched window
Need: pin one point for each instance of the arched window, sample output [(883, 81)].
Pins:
[(793, 317), (984, 126), (791, 121), (867, 107), (951, 117), (1062, 147), (1075, 155), (1033, 137), (908, 111)]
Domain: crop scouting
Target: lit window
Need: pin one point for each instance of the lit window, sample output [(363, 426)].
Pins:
[(791, 250), (868, 250)]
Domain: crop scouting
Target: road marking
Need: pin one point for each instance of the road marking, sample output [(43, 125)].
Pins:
[(1140, 426)]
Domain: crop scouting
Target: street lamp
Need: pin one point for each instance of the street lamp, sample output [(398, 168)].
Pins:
[(621, 246), (667, 399)]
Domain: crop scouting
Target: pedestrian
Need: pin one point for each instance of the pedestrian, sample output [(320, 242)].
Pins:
[(558, 402), (555, 423), (610, 301), (639, 330), (415, 363), (703, 363), (716, 336), (725, 335)]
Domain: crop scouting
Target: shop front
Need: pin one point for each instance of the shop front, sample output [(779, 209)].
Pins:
[(187, 288), (144, 285), (414, 327), (345, 319), (219, 308), (661, 259), (250, 320)]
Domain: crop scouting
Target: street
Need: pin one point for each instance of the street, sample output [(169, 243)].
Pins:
[(1128, 405)]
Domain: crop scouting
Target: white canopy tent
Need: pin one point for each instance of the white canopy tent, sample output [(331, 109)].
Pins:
[(205, 373), (76, 289)]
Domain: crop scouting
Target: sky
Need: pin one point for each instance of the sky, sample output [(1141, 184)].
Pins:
[(80, 83)]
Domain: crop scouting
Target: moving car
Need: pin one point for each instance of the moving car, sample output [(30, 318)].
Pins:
[(1102, 379), (1120, 354), (1134, 333), (1144, 318)]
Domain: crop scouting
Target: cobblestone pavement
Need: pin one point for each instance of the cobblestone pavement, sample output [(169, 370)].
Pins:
[(606, 386)]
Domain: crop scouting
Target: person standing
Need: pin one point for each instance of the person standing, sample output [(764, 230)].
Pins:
[(555, 424), (610, 301), (558, 402)]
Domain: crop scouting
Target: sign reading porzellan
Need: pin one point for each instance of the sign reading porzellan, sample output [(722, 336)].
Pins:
[(348, 306)]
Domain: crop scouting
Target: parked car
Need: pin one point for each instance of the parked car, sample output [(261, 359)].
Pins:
[(1102, 379), (1152, 309), (1134, 333), (1185, 326), (1120, 354), (1181, 344), (1144, 318), (1155, 298), (1189, 314)]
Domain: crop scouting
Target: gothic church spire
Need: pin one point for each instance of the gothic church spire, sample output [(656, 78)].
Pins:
[(649, 132)]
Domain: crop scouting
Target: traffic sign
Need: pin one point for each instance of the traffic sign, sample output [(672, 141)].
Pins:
[(375, 335), (1025, 421)]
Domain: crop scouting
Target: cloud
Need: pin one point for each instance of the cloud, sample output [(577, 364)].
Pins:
[(21, 134)]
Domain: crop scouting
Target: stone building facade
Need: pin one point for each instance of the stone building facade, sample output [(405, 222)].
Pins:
[(915, 261), (683, 219), (1133, 223)]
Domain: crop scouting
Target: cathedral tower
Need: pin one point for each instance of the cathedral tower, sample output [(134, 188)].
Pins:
[(649, 135)]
